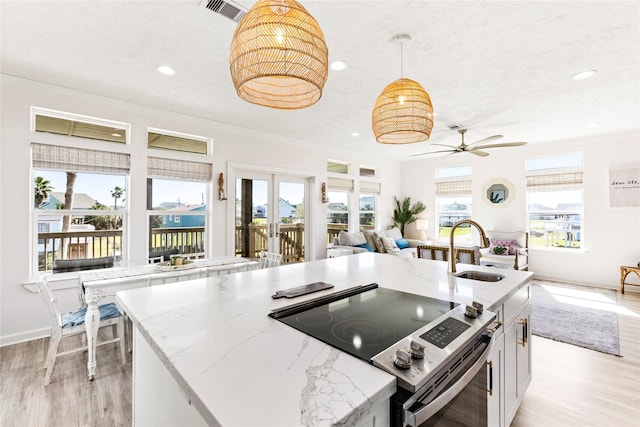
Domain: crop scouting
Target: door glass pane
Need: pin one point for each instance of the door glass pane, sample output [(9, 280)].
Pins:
[(291, 220), (251, 232)]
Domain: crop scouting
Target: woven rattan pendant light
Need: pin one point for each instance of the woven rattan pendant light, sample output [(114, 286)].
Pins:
[(279, 58), (403, 113)]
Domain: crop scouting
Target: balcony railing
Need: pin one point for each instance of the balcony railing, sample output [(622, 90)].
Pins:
[(77, 245), (103, 243), (252, 239)]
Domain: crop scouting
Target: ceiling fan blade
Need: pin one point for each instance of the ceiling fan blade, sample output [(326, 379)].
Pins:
[(478, 153), (487, 139), (504, 144), (453, 147), (432, 152)]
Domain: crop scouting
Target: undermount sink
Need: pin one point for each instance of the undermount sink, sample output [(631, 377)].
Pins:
[(480, 275)]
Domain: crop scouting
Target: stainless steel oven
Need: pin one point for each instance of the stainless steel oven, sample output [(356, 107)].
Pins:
[(436, 349)]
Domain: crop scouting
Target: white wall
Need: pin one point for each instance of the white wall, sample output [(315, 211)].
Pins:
[(610, 236), (22, 313)]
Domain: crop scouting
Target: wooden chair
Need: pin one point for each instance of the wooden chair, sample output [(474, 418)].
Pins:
[(269, 259), (464, 255), (72, 323)]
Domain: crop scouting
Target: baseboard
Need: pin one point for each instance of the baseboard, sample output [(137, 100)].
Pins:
[(24, 336)]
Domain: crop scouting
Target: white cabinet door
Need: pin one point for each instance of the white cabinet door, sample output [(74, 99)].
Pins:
[(495, 361), (517, 362)]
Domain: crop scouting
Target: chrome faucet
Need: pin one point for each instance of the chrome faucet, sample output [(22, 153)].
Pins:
[(452, 256)]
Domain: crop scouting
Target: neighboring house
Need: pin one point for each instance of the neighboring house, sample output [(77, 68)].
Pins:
[(80, 201), (285, 210), (53, 223), (171, 220)]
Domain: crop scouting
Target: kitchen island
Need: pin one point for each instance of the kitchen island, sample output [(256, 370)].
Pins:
[(206, 353)]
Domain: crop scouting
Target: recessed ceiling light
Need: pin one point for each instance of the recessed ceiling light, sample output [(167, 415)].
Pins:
[(166, 70), (338, 65), (355, 133), (115, 134), (583, 75)]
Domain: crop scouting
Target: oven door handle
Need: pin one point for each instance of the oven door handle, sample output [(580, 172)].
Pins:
[(423, 414)]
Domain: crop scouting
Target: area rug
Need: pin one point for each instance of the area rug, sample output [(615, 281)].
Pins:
[(578, 315)]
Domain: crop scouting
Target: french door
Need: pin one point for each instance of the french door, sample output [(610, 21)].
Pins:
[(270, 215)]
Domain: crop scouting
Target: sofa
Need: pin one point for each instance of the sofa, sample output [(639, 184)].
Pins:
[(387, 242)]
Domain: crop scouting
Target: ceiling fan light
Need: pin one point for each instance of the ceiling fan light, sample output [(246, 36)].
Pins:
[(403, 113), (279, 57)]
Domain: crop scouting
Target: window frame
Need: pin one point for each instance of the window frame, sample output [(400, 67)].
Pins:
[(465, 183), (578, 235)]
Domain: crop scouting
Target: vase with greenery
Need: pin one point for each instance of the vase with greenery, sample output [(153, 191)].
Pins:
[(404, 213)]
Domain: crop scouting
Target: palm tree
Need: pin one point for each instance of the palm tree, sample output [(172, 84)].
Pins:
[(42, 190), (404, 213), (116, 194)]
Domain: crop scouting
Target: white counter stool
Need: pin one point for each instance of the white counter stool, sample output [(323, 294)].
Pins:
[(72, 323)]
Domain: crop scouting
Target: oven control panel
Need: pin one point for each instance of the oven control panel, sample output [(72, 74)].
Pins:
[(418, 358), (445, 332)]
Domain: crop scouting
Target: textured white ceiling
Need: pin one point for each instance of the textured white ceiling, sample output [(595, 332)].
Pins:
[(494, 67)]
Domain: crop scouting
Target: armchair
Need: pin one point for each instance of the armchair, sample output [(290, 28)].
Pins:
[(516, 250)]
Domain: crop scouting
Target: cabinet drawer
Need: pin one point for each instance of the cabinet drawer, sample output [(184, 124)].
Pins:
[(513, 305)]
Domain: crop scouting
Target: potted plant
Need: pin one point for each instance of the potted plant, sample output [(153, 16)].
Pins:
[(404, 213)]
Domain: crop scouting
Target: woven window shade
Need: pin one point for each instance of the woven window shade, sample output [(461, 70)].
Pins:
[(453, 188), (340, 184), (69, 159), (279, 57), (179, 170), (402, 114), (369, 187), (557, 181)]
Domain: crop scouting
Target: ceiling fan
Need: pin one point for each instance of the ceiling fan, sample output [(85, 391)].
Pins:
[(472, 148)]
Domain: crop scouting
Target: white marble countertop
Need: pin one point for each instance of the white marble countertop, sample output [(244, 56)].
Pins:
[(215, 338)]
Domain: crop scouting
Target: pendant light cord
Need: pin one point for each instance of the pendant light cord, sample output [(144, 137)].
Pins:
[(401, 59)]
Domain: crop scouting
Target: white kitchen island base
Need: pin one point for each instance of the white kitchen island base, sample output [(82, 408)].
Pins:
[(207, 353), (157, 399)]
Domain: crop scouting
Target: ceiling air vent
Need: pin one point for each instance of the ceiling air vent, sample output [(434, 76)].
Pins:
[(228, 9)]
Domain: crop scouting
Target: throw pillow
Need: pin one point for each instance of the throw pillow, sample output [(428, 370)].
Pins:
[(377, 239), (368, 235), (394, 233), (351, 239), (390, 245), (503, 247), (366, 246), (402, 243)]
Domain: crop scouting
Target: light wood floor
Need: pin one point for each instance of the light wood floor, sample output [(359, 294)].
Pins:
[(571, 386)]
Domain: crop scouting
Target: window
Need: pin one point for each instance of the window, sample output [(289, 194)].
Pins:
[(369, 192), (337, 167), (555, 205), (367, 172), (88, 223), (554, 162), (167, 140), (453, 172), (454, 203), (339, 192), (74, 125), (177, 205)]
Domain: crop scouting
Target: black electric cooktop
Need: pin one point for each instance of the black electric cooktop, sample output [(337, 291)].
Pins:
[(369, 322)]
